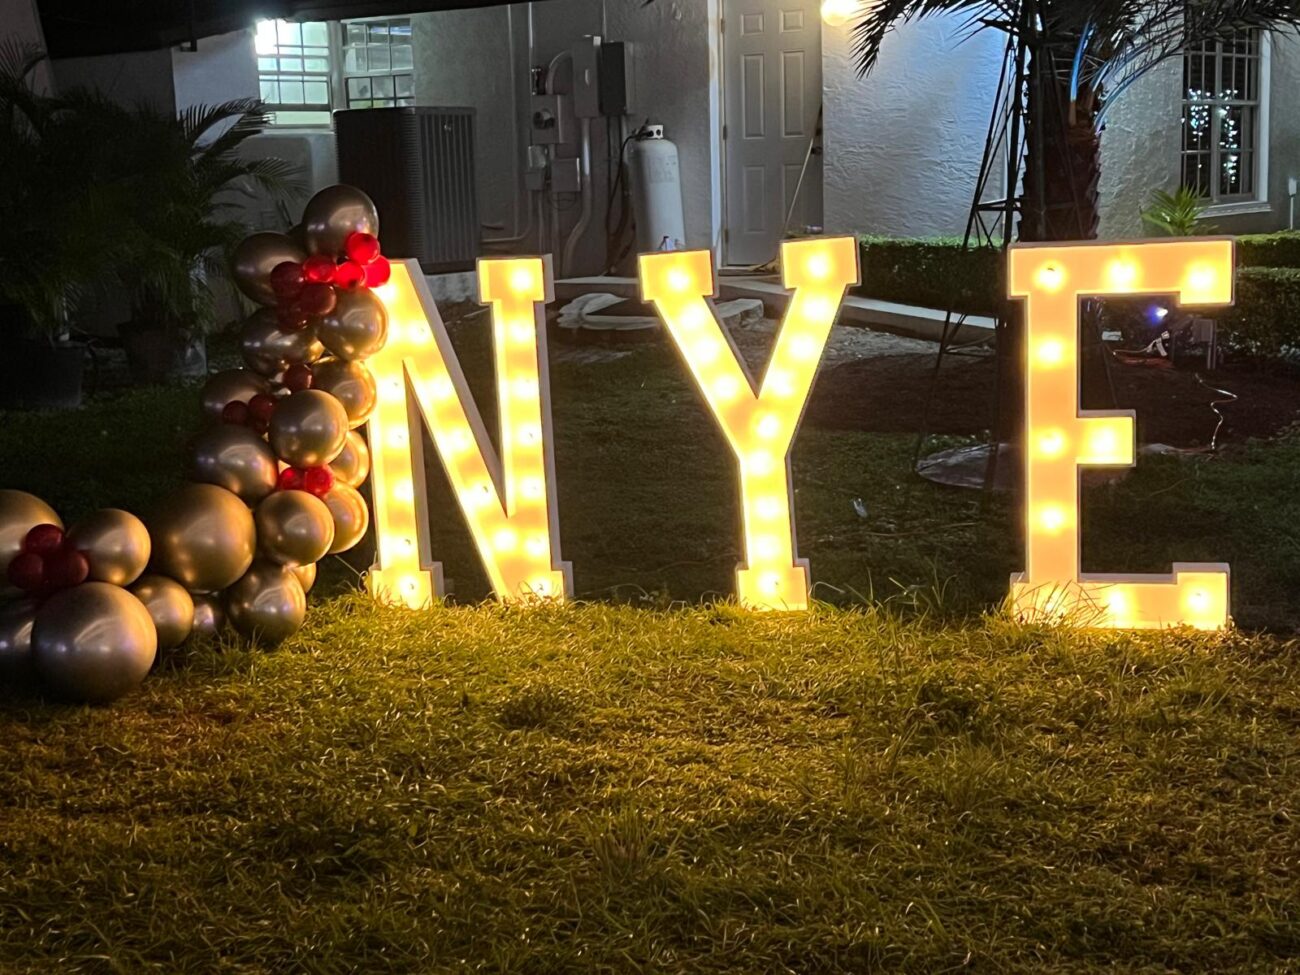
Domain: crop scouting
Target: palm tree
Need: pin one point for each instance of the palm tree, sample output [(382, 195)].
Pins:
[(1080, 56)]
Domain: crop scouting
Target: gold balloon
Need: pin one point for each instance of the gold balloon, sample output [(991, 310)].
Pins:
[(93, 642), (16, 620), (332, 214), (203, 537), (351, 517), (293, 528), (209, 615), (20, 512), (268, 350), (268, 604), (352, 465), (308, 428), (227, 386), (351, 383), (115, 543), (170, 607), (234, 458), (306, 575), (357, 327), (254, 260)]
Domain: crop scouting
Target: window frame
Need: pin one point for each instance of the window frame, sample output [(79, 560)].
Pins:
[(1256, 201), (338, 75)]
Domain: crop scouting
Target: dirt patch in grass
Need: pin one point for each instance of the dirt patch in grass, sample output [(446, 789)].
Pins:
[(888, 395)]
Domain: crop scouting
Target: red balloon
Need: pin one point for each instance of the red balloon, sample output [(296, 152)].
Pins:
[(318, 481), (286, 280), (237, 413), (66, 568), (318, 269), (261, 406), (291, 317), (290, 479), (361, 246), (27, 572), (317, 299), (43, 540), (378, 272), (350, 276), (297, 377)]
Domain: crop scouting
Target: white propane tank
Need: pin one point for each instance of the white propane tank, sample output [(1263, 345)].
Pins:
[(656, 180)]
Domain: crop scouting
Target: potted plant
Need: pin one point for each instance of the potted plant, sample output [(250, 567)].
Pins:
[(59, 218), (190, 179)]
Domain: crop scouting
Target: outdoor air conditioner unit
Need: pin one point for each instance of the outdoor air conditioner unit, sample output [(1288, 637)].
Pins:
[(417, 164)]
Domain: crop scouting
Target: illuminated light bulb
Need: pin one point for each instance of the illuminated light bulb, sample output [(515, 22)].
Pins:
[(1051, 443), (537, 545), (530, 434), (526, 388), (726, 388), (1198, 600), (505, 540), (523, 281), (385, 293), (761, 462), (418, 334), (693, 317), (532, 487), (1050, 352), (408, 544), (768, 507), (1050, 277), (765, 546), (398, 439), (459, 441), (837, 13), (779, 382), (817, 309), (768, 426), (678, 279), (1201, 280), (404, 491), (1103, 443), (1051, 518), (521, 332), (393, 387), (410, 584), (441, 388), (540, 587), (804, 347), (1121, 274), (818, 266), (705, 351), (772, 582)]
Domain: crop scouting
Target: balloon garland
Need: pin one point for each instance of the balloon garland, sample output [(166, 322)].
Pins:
[(273, 481)]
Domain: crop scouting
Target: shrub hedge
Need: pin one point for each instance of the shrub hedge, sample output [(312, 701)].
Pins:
[(937, 272)]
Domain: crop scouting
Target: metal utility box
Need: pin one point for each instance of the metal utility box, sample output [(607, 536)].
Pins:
[(417, 164)]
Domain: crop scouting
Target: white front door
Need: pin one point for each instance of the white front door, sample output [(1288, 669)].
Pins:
[(772, 84)]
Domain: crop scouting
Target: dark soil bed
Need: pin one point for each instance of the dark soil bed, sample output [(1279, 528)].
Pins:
[(888, 393)]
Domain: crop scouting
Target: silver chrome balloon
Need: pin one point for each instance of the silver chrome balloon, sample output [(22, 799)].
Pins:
[(268, 604), (170, 607), (20, 512), (334, 213), (203, 537), (209, 615), (356, 328), (93, 642), (293, 528), (256, 257), (352, 465), (351, 383), (308, 428), (115, 543), (16, 618), (306, 575), (268, 350), (230, 385), (235, 458), (351, 517)]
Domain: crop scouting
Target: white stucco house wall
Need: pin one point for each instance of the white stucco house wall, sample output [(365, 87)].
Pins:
[(898, 152)]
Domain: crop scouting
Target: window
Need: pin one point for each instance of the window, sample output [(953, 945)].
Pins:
[(1223, 154), (378, 63), (306, 70), (293, 68)]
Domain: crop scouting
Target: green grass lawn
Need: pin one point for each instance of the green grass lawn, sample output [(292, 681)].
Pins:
[(653, 781)]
